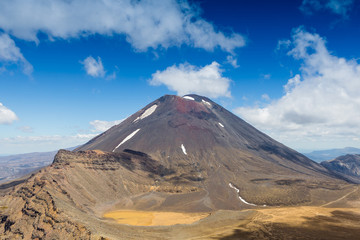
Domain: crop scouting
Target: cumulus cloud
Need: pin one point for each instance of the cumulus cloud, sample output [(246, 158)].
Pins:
[(11, 54), (94, 68), (186, 78), (320, 104), (6, 115), (102, 126), (145, 24), (292, 83), (340, 7)]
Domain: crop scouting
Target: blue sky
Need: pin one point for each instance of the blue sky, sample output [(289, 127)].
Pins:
[(71, 69)]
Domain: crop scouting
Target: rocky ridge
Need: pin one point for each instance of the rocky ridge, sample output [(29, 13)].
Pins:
[(347, 166)]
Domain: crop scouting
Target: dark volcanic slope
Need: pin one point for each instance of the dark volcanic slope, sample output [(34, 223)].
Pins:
[(347, 166), (224, 154), (175, 127), (198, 124)]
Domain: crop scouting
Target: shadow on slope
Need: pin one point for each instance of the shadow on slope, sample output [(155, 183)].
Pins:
[(340, 225)]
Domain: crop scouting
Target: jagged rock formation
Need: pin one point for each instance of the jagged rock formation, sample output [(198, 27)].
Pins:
[(347, 166), (30, 212)]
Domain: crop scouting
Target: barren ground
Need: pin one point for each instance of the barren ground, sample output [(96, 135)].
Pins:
[(147, 218), (304, 222)]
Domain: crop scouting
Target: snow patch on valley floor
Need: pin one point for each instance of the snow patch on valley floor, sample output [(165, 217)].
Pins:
[(206, 102), (127, 138), (221, 124), (183, 149), (147, 113), (243, 200), (189, 98)]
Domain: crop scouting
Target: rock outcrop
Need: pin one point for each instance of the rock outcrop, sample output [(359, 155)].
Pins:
[(347, 166)]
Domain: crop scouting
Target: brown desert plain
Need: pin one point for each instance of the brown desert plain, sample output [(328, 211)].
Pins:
[(181, 168)]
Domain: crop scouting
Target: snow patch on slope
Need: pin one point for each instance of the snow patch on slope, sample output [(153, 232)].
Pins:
[(189, 98), (127, 138), (183, 149), (221, 124), (237, 190), (206, 102), (147, 113)]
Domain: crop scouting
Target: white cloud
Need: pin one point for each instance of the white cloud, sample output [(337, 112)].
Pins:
[(111, 76), (186, 78), (6, 115), (292, 83), (147, 23), (233, 61), (26, 129), (320, 104), (265, 97), (94, 68), (102, 126), (283, 44), (266, 76), (340, 7), (11, 54)]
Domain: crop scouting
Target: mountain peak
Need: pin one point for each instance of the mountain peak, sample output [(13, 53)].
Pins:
[(194, 130)]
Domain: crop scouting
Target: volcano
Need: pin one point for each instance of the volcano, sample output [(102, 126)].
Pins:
[(177, 154), (211, 149)]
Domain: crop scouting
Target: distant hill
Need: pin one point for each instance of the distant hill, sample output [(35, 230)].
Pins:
[(348, 166), (16, 166), (324, 155)]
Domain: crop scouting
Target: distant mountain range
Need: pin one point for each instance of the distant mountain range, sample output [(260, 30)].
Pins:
[(19, 165), (324, 155)]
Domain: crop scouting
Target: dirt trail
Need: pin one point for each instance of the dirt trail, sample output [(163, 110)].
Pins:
[(341, 198)]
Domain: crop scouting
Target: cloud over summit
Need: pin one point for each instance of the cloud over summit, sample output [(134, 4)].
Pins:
[(186, 78)]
